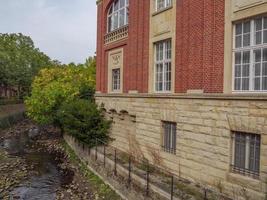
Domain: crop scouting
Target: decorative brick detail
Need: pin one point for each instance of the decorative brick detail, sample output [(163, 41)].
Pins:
[(200, 46), (116, 35)]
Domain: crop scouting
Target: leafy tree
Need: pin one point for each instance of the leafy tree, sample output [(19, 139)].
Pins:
[(20, 61), (84, 121), (57, 85)]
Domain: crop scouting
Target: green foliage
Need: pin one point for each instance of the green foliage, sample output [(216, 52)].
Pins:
[(20, 61), (84, 121), (9, 120), (54, 86)]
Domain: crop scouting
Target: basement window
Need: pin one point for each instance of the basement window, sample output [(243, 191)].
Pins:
[(169, 137), (246, 154)]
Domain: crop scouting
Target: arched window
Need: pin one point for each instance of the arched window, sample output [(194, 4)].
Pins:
[(118, 14)]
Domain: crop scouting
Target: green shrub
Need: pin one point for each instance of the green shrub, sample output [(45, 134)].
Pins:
[(53, 86), (83, 120)]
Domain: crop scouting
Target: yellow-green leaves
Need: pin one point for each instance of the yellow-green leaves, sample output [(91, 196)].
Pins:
[(56, 85)]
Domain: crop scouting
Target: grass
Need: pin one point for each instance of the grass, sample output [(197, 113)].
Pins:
[(189, 190), (103, 190), (11, 119)]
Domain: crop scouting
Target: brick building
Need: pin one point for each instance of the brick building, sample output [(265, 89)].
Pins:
[(188, 79)]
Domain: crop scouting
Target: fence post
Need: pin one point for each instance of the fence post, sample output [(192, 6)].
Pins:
[(115, 162), (172, 188), (147, 179), (104, 155), (95, 149), (129, 168)]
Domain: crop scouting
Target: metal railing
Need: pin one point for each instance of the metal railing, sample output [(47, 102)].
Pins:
[(144, 169)]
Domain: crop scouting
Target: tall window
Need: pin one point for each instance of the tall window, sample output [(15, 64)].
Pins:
[(162, 4), (118, 14), (116, 80), (246, 153), (163, 54), (250, 52), (169, 137)]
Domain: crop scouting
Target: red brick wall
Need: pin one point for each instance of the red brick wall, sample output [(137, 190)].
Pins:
[(135, 48), (199, 46)]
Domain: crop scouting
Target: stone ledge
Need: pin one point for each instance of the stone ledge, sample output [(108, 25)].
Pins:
[(255, 97)]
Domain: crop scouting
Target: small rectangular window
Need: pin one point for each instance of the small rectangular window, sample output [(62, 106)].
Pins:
[(246, 153), (116, 79), (169, 137)]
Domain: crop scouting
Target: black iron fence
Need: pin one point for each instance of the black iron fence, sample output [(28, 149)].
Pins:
[(171, 185)]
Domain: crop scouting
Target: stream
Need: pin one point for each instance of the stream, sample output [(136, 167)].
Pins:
[(45, 179)]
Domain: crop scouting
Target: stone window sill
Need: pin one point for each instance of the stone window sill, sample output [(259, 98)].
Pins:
[(245, 181), (162, 10)]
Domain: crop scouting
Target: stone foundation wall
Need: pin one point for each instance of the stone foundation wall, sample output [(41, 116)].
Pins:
[(204, 125)]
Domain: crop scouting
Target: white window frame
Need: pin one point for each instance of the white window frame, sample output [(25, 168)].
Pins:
[(167, 4), (251, 48), (118, 81), (245, 171), (111, 15), (164, 61)]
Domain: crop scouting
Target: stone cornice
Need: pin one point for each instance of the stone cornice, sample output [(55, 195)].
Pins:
[(255, 97)]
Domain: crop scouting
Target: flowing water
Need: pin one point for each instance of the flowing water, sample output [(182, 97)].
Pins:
[(46, 178)]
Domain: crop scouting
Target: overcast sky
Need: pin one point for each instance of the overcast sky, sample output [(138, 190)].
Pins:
[(63, 29)]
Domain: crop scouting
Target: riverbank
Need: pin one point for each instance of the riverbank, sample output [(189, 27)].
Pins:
[(29, 163)]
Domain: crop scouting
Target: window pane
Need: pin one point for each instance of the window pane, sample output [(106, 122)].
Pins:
[(264, 52), (264, 83), (246, 40), (245, 83), (169, 137), (245, 71), (264, 69), (238, 29), (122, 3), (238, 58), (237, 83), (109, 24), (240, 150), (258, 37), (238, 41), (246, 27), (237, 70), (115, 21), (258, 23), (257, 55), (257, 83), (254, 156), (257, 69), (265, 23), (265, 36), (246, 57), (122, 18), (116, 5)]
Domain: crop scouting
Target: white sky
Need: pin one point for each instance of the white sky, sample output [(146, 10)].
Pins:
[(63, 29)]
